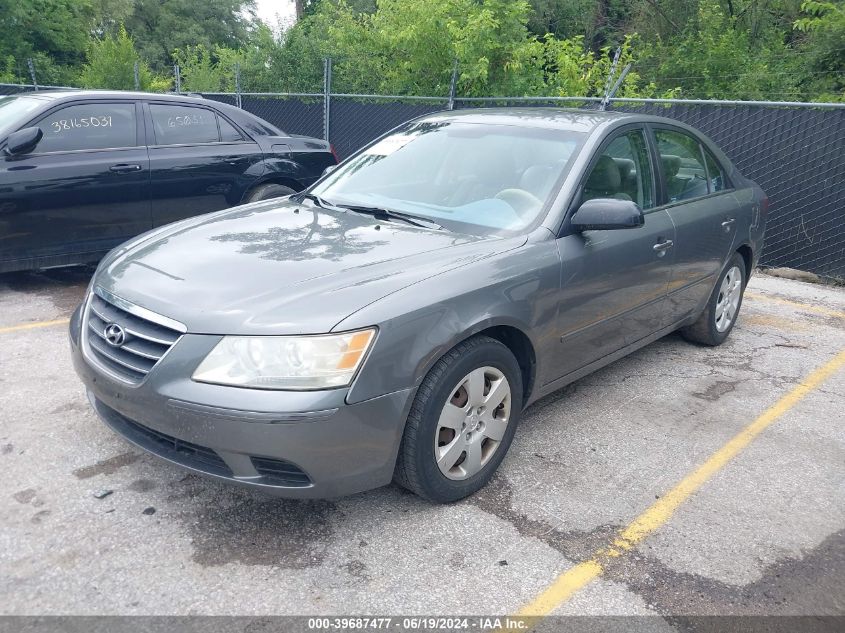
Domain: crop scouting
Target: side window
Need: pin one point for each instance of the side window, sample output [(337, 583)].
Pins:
[(715, 174), (88, 126), (683, 166), (228, 131), (178, 124), (623, 171)]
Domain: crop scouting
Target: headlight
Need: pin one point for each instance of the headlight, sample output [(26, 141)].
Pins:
[(286, 362)]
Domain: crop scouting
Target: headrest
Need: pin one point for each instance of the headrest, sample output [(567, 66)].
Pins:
[(626, 167), (535, 179), (671, 164), (605, 175)]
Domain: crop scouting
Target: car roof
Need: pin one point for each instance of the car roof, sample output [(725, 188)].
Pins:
[(58, 95), (543, 117)]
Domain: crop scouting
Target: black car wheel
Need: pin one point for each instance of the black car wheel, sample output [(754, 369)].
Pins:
[(462, 421), (719, 317), (268, 191)]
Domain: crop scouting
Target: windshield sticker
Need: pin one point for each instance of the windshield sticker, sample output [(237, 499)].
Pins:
[(390, 144)]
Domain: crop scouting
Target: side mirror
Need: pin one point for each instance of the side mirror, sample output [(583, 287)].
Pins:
[(329, 169), (23, 141), (607, 214)]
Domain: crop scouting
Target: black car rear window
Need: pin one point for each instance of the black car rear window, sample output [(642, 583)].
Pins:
[(183, 125)]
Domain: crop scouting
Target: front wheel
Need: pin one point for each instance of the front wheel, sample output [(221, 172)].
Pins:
[(719, 317), (462, 421)]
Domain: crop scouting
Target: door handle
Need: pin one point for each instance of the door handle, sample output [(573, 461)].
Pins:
[(122, 168), (661, 247), (727, 224)]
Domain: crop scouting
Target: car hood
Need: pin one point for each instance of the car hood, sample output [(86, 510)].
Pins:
[(277, 267)]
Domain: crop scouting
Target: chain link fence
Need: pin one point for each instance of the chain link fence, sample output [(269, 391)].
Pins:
[(796, 152)]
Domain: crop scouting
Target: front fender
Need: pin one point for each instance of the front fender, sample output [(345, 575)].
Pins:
[(419, 324)]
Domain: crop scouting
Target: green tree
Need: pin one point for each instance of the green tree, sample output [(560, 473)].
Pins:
[(823, 25), (111, 64), (54, 33), (410, 47), (160, 27), (715, 56)]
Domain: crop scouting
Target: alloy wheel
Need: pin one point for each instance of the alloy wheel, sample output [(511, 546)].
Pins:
[(727, 303), (472, 423)]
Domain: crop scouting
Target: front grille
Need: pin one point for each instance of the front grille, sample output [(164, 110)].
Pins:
[(172, 448), (144, 345), (280, 473)]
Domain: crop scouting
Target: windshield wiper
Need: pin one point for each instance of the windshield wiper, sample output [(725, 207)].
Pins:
[(378, 212), (320, 202), (390, 214)]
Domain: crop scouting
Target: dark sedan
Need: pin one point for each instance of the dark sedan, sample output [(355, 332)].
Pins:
[(83, 171), (393, 321)]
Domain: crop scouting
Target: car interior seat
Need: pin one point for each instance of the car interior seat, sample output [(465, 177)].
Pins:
[(537, 180), (605, 181)]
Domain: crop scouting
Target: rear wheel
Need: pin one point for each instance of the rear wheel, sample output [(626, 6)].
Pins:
[(462, 421), (268, 191), (719, 317)]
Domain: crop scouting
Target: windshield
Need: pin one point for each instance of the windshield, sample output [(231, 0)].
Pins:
[(13, 109), (472, 177)]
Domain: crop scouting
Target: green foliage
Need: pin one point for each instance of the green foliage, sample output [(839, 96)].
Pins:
[(729, 49), (111, 64), (410, 47), (162, 26), (824, 50), (53, 33)]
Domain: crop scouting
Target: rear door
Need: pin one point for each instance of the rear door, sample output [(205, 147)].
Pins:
[(614, 283), (702, 205), (83, 190), (199, 161)]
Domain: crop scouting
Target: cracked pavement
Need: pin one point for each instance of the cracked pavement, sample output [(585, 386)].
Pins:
[(765, 536)]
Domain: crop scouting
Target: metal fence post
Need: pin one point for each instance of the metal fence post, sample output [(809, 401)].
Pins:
[(609, 82), (177, 78), (238, 85), (453, 84), (137, 73), (31, 65), (327, 94)]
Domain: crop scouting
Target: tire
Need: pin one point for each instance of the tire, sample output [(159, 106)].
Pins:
[(474, 437), (718, 318), (268, 191)]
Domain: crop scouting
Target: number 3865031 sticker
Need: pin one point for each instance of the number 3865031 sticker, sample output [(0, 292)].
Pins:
[(74, 124)]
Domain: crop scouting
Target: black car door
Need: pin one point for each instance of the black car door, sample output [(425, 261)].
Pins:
[(704, 210), (199, 161), (82, 190), (614, 282)]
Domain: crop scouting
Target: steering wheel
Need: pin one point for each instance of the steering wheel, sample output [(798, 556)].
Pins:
[(523, 203)]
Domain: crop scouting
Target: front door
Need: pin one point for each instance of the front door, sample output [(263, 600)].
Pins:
[(703, 210), (83, 189), (614, 282), (199, 162)]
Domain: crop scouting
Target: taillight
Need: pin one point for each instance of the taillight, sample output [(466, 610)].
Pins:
[(334, 153), (764, 206)]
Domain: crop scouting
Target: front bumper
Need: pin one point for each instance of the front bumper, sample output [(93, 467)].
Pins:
[(290, 444)]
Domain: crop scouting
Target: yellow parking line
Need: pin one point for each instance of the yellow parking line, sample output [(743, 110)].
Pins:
[(661, 511), (754, 296), (32, 326)]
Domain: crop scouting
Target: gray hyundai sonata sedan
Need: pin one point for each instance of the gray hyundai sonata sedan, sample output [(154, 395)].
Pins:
[(393, 321)]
